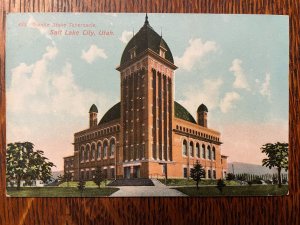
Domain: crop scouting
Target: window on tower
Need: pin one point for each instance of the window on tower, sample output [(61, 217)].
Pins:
[(132, 53)]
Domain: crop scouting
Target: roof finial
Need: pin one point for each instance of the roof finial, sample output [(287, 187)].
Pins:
[(146, 19)]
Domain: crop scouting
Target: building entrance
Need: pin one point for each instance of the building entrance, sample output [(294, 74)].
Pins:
[(136, 172), (127, 172)]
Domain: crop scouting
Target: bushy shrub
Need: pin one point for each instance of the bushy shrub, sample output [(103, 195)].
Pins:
[(220, 185), (230, 176), (284, 181), (256, 180)]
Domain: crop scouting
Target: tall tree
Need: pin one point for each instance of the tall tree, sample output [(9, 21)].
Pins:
[(197, 172), (68, 177), (277, 154), (99, 176), (23, 163), (81, 186)]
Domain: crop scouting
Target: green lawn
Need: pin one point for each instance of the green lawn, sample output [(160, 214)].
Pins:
[(59, 192), (188, 182), (87, 184), (254, 190)]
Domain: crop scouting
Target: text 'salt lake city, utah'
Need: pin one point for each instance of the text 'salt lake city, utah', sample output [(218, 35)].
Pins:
[(146, 105)]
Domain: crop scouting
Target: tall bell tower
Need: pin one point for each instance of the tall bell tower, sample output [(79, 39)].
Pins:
[(147, 102)]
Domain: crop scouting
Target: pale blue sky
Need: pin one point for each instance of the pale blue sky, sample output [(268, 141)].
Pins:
[(235, 64)]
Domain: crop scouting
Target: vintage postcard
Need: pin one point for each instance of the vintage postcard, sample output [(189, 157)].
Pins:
[(146, 105)]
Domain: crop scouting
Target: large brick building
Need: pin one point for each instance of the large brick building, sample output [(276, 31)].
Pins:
[(147, 134)]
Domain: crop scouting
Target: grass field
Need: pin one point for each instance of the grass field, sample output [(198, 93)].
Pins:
[(254, 190), (186, 182), (59, 192), (87, 184)]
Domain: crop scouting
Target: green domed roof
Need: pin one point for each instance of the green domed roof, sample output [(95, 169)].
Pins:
[(93, 109), (144, 39), (112, 114), (115, 113), (182, 113)]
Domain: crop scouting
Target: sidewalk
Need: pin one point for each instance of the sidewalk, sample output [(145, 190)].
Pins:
[(159, 189)]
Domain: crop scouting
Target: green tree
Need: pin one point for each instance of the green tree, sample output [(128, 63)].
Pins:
[(67, 177), (197, 172), (220, 185), (99, 176), (241, 177), (230, 176), (23, 163), (277, 154), (81, 186)]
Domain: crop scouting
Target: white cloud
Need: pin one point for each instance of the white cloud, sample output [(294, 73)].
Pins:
[(196, 50), (126, 36), (47, 107), (207, 94), (227, 103), (33, 89), (265, 88), (94, 52), (240, 76)]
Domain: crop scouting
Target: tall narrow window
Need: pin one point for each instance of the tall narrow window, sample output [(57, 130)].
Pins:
[(82, 153), (198, 150), (203, 151), (191, 149), (214, 153), (184, 148), (105, 149), (93, 152), (99, 150), (185, 172), (87, 153), (112, 147), (208, 152)]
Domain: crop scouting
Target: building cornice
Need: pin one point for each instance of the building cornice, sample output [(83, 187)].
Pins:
[(141, 55)]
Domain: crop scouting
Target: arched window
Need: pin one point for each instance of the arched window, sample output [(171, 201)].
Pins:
[(87, 153), (214, 153), (198, 150), (184, 148), (105, 145), (191, 149), (93, 152), (203, 151), (82, 153), (99, 150), (112, 147), (208, 152)]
